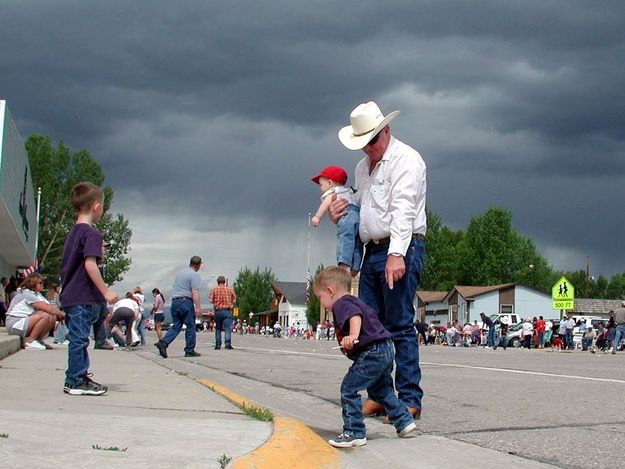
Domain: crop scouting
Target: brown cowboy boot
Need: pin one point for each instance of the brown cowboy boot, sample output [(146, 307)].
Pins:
[(416, 414), (371, 408)]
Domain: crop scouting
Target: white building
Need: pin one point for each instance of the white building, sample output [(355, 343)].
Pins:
[(291, 300), (18, 219), (465, 303)]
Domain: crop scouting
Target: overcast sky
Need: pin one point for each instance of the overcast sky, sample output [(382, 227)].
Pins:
[(209, 118)]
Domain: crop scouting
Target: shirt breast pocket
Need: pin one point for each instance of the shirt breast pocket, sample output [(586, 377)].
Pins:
[(379, 193)]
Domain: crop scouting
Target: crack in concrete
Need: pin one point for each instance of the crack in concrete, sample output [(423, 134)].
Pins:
[(536, 427)]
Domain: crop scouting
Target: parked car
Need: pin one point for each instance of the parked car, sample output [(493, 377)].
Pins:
[(512, 318), (514, 335), (496, 318)]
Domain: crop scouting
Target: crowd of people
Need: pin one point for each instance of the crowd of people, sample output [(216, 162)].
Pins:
[(535, 332)]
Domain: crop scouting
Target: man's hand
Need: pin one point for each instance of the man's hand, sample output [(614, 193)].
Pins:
[(314, 221), (394, 270), (111, 297), (338, 208), (198, 312)]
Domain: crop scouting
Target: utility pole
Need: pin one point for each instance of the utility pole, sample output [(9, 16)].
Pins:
[(587, 276)]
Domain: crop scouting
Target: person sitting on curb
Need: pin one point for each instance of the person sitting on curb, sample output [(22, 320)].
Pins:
[(589, 337), (31, 316)]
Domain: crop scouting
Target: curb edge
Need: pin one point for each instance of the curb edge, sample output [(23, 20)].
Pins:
[(291, 444)]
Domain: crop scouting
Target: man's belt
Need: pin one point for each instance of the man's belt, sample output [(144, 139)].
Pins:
[(182, 298), (383, 241), (222, 309)]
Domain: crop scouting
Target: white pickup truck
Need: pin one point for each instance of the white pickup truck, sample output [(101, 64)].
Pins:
[(513, 318)]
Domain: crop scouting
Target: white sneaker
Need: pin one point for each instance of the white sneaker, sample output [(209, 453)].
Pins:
[(347, 441), (407, 430), (34, 345)]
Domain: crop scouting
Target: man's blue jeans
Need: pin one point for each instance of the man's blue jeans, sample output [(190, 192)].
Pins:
[(490, 340), (348, 244), (78, 320), (396, 312), (182, 312), (620, 333), (569, 339), (371, 370), (223, 320)]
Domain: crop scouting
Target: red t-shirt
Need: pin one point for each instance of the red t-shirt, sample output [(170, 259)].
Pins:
[(540, 326)]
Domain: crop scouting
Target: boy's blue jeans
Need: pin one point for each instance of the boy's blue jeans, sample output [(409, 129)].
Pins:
[(396, 313), (78, 320), (371, 370), (348, 245)]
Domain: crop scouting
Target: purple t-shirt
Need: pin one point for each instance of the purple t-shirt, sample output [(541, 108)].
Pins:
[(77, 288), (371, 330)]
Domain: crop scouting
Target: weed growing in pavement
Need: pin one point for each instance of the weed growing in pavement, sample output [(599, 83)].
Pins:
[(224, 460), (4, 435), (182, 373), (110, 448), (258, 413)]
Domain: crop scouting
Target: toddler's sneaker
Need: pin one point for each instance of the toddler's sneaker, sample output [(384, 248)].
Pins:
[(407, 430), (345, 440)]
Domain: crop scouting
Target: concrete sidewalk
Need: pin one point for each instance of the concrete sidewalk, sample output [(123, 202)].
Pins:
[(158, 417)]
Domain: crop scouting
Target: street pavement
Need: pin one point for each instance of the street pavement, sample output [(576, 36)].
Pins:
[(559, 408), (482, 408)]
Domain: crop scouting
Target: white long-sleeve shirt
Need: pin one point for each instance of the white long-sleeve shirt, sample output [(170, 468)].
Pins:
[(392, 197)]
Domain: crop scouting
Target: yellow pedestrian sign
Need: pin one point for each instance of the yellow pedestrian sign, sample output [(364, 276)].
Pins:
[(562, 294)]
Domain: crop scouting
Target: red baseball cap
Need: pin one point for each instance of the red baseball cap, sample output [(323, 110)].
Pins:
[(334, 173)]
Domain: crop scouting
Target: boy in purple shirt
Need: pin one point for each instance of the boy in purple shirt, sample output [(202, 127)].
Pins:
[(365, 341), (83, 288)]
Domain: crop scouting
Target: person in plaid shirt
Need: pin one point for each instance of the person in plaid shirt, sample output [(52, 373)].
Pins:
[(223, 299)]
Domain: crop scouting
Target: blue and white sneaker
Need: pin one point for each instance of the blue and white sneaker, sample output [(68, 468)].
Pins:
[(407, 430), (345, 440)]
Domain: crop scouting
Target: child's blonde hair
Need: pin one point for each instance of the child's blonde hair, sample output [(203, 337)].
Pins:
[(84, 195), (333, 276)]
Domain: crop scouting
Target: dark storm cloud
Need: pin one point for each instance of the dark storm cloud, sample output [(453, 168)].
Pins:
[(228, 108)]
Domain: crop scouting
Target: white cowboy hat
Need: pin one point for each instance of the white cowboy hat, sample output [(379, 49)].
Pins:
[(367, 120), (505, 320)]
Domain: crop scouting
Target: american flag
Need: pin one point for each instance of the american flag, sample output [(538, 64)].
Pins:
[(308, 285), (29, 270)]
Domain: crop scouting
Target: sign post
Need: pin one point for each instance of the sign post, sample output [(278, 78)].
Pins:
[(562, 295)]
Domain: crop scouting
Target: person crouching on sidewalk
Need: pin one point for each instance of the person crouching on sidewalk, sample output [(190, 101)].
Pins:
[(365, 341)]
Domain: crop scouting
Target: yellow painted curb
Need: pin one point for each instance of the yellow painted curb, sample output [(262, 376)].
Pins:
[(292, 444)]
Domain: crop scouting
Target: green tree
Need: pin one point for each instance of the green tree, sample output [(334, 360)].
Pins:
[(56, 171), (616, 287), (492, 252), (313, 308), (441, 267), (253, 290)]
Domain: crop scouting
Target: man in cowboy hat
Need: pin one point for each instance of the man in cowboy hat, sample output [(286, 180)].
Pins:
[(390, 186)]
